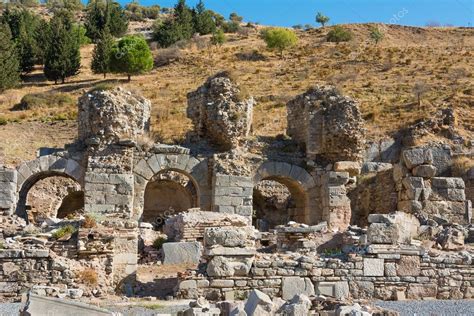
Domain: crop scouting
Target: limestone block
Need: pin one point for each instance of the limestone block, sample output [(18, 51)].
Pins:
[(181, 252), (374, 167), (337, 178), (408, 266), (422, 291), (352, 167), (448, 183), (414, 187), (299, 305), (448, 194), (409, 206), (188, 284), (8, 175), (259, 303), (292, 286), (220, 266), (382, 233), (338, 290), (416, 156), (373, 267), (229, 236)]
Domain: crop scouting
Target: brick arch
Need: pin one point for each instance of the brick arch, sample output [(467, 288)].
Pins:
[(298, 181), (195, 169)]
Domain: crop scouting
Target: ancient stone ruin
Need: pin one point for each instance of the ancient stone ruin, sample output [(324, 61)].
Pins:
[(334, 220)]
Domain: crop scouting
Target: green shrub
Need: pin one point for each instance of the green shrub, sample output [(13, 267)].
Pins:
[(158, 243), (339, 34), (44, 100), (63, 231), (3, 121), (279, 39)]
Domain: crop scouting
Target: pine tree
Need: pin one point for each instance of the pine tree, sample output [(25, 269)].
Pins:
[(9, 63), (101, 55), (131, 55), (109, 14), (184, 18), (202, 19), (322, 19), (117, 19), (62, 57)]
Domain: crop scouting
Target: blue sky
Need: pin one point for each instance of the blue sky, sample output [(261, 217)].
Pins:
[(292, 12)]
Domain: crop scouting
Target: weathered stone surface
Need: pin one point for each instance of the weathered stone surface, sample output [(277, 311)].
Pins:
[(425, 171), (421, 291), (381, 233), (299, 305), (352, 167), (373, 267), (327, 124), (338, 290), (37, 305), (374, 167), (408, 266), (292, 286), (229, 236), (219, 112), (394, 228), (112, 115), (181, 252), (258, 303), (221, 266), (416, 156)]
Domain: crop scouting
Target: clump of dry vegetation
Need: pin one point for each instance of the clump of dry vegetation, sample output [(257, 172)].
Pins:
[(461, 165), (89, 277)]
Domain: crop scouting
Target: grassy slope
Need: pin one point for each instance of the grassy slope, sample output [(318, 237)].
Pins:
[(380, 77)]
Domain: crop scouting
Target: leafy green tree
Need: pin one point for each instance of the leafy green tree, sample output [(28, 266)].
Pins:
[(131, 55), (322, 19), (339, 34), (218, 38), (234, 17), (102, 53), (81, 33), (9, 63), (376, 34), (279, 39), (203, 20), (231, 27), (62, 57)]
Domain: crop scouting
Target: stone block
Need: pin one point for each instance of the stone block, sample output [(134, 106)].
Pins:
[(8, 175), (352, 167), (424, 171), (416, 156), (448, 183), (228, 236), (422, 291), (181, 252), (440, 194), (409, 206), (338, 290), (258, 303), (380, 233), (292, 286), (373, 267), (374, 167), (408, 266), (37, 305), (413, 187)]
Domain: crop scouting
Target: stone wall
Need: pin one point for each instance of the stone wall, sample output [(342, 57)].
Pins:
[(383, 273), (8, 196), (232, 194)]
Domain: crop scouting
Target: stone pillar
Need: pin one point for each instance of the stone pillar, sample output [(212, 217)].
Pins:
[(336, 204), (125, 259), (109, 182), (232, 194), (8, 196)]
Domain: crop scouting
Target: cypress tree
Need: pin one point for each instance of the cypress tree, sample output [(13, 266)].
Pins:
[(9, 63), (117, 19), (101, 55), (62, 57), (184, 19), (105, 14), (203, 21)]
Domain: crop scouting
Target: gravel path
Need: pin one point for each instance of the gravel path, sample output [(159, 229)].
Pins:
[(430, 308), (9, 309)]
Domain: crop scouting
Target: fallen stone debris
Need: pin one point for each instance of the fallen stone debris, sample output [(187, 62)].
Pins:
[(323, 230)]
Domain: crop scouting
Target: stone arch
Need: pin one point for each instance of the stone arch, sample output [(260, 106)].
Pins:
[(149, 167), (298, 182), (43, 167)]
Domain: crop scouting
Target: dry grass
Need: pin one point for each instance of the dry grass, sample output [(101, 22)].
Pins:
[(89, 277), (380, 77), (461, 165)]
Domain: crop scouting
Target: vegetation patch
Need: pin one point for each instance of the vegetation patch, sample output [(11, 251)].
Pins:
[(63, 231), (44, 100), (89, 277)]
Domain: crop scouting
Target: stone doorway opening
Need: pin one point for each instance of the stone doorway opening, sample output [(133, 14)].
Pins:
[(50, 195), (278, 200), (168, 193)]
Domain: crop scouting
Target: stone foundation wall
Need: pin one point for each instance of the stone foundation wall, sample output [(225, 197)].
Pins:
[(232, 194), (8, 196), (382, 274)]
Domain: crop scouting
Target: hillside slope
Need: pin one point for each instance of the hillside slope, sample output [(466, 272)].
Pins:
[(380, 77)]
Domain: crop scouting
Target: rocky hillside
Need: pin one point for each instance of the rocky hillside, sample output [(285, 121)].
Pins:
[(384, 78)]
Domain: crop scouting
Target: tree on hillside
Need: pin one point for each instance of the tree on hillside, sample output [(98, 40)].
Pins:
[(177, 27), (322, 19), (218, 38), (184, 18), (376, 34), (102, 14), (131, 55), (102, 53), (9, 63), (234, 17), (339, 34), (203, 20), (279, 39), (62, 57)]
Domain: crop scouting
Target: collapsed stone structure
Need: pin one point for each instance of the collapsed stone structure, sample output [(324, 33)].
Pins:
[(312, 249)]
